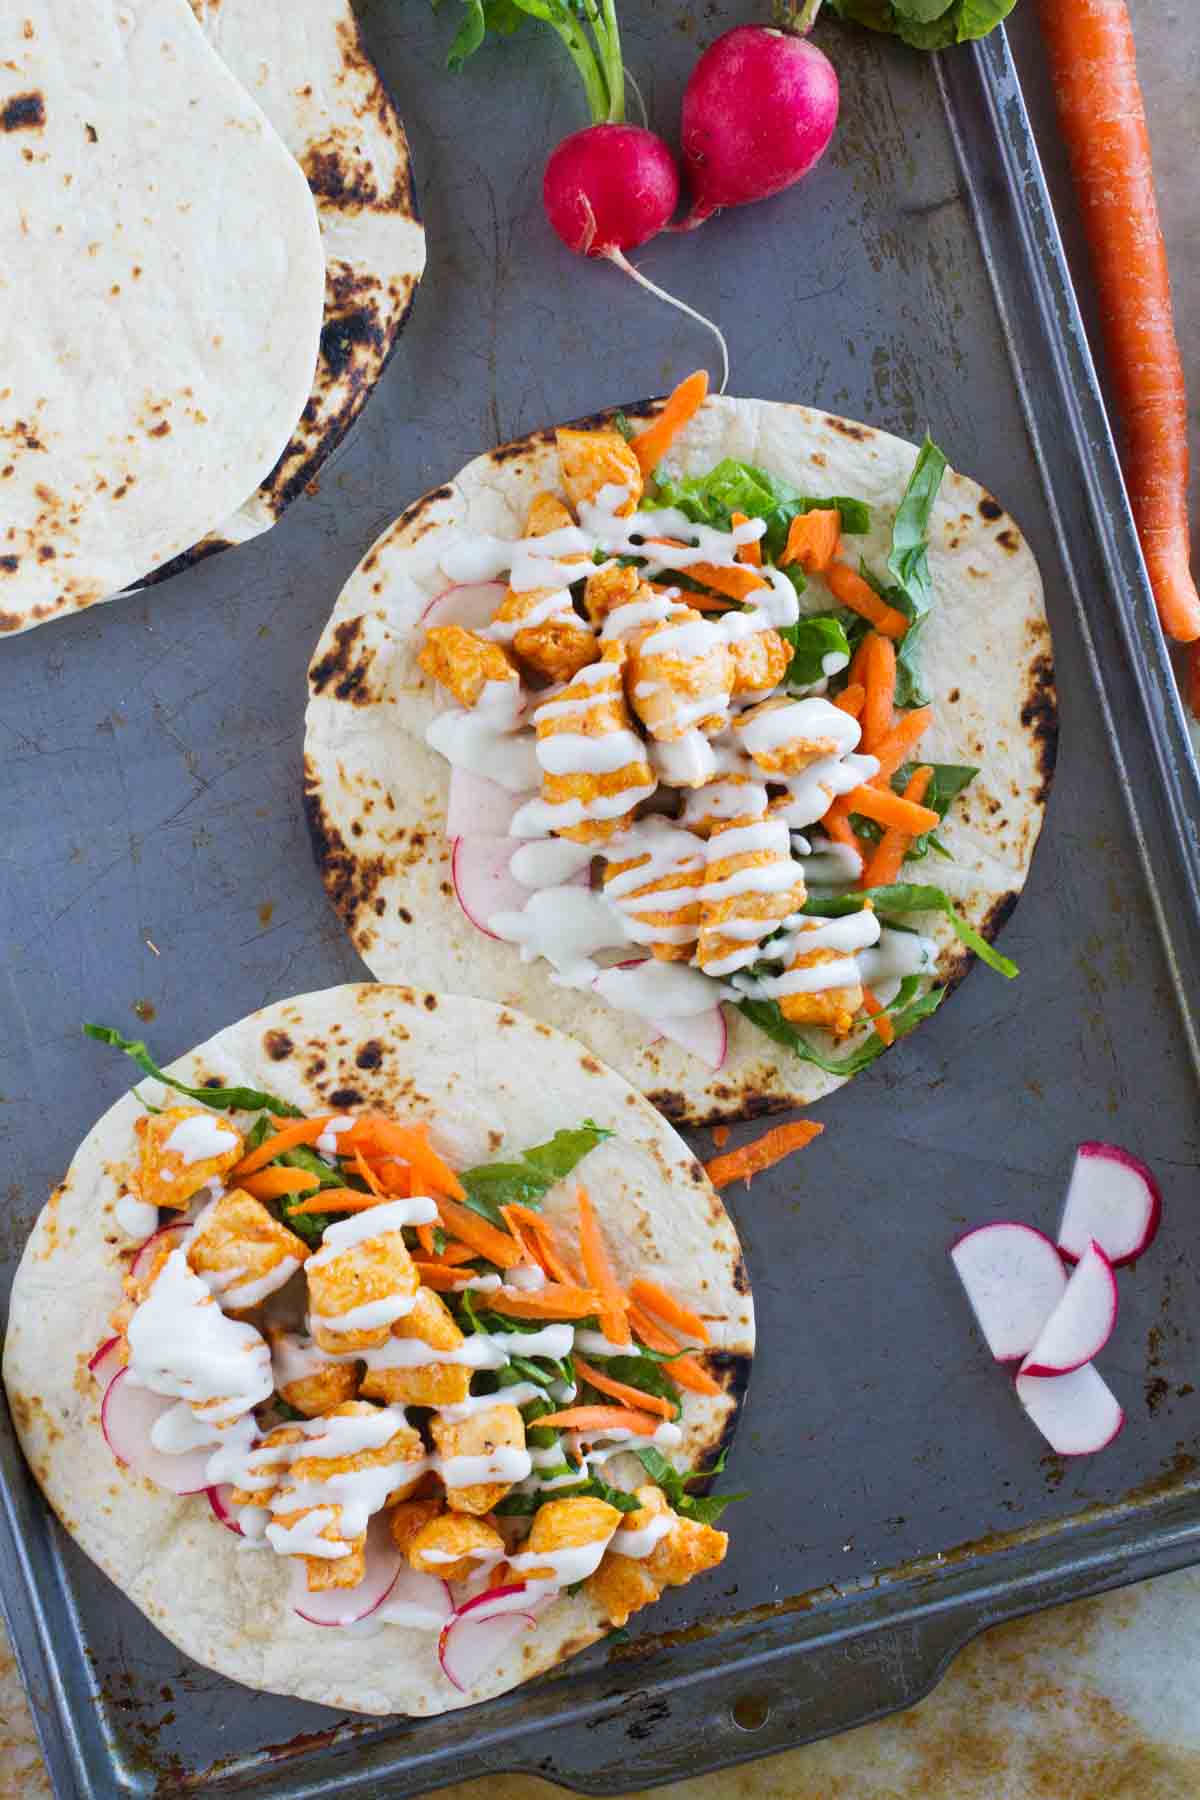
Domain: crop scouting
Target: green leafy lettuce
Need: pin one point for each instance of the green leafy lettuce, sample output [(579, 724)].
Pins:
[(222, 1099), (514, 1504), (493, 1185), (674, 1484), (906, 1012), (926, 24), (734, 486), (646, 1373), (911, 897), (813, 637)]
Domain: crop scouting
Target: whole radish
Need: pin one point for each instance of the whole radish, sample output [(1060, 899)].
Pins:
[(610, 187), (758, 113)]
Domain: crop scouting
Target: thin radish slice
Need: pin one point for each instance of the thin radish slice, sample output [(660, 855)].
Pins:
[(345, 1606), (484, 885), (481, 1629), (1112, 1198), (167, 1236), (704, 1035), (128, 1414), (1077, 1414), (472, 605), (633, 987), (1014, 1279), (477, 807), (105, 1362), (221, 1500), (653, 1034), (1082, 1322), (420, 1602)]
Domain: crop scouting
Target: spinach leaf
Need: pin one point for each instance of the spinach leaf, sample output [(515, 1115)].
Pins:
[(910, 589), (514, 1505), (223, 1099), (735, 486), (909, 897), (906, 1012), (674, 1485), (814, 637), (493, 1185), (926, 24), (644, 1373)]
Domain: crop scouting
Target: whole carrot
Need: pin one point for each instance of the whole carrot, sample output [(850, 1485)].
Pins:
[(1090, 45)]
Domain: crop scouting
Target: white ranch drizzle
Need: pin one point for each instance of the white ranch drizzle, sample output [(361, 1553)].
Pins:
[(136, 1217), (639, 1541), (200, 1138), (489, 740), (181, 1344), (326, 1144)]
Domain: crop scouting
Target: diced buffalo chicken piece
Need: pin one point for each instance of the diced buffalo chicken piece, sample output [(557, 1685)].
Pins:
[(557, 643), (498, 1427), (409, 1517), (591, 461), (790, 753), (834, 1008), (608, 589), (566, 1525), (164, 1177), (404, 1447), (327, 1384), (679, 675), (760, 662), (378, 1268), (592, 705), (453, 1546), (248, 1252), (432, 1383), (622, 1585), (650, 908), (770, 886), (268, 1471), (464, 663)]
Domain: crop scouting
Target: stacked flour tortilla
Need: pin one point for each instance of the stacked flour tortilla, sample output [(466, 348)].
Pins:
[(209, 246)]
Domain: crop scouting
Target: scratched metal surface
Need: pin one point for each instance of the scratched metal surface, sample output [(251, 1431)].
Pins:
[(156, 869)]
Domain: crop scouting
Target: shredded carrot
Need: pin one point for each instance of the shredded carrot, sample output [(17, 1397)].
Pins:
[(602, 1418), (856, 674), (526, 1239), (382, 1137), (453, 1255), (813, 539), (598, 1270), (736, 584), (550, 1253), (299, 1131), (901, 740), (763, 1153), (836, 825), (554, 1301), (720, 1136), (684, 1371), (334, 1200), (652, 444), (361, 1167), (620, 1390), (879, 705), (887, 808), (393, 1176), (655, 1299), (850, 588), (425, 1238), (747, 553), (852, 698), (443, 1278), (885, 862), (270, 1184), (873, 1009), (496, 1246)]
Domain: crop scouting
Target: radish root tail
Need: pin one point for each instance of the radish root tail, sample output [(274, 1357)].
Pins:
[(637, 94), (623, 263)]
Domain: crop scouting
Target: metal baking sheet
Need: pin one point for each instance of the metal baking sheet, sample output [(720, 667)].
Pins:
[(156, 870)]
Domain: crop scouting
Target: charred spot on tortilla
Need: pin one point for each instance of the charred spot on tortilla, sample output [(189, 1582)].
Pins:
[(1039, 716), (278, 1045), (341, 666), (862, 434), (24, 112), (369, 1055), (989, 508)]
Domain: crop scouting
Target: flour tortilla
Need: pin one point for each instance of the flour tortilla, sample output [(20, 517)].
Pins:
[(305, 63), (493, 1083), (376, 795), (160, 298)]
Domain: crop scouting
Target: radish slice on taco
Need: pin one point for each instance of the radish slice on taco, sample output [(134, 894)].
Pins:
[(429, 1306), (779, 682)]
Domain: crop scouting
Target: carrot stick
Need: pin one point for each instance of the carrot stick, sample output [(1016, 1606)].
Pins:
[(856, 674), (395, 1178), (300, 1131), (735, 584), (382, 1137), (813, 539), (554, 1301), (619, 1390), (362, 1168), (850, 588), (887, 808), (652, 444), (1100, 110), (602, 1418), (443, 1278), (885, 862), (720, 1136), (685, 1371), (879, 705), (766, 1150), (901, 740), (425, 1238), (454, 1255), (554, 1260), (526, 1239), (852, 698), (270, 1184), (883, 1025), (655, 1299), (598, 1270), (336, 1200), (747, 553), (836, 825), (496, 1246)]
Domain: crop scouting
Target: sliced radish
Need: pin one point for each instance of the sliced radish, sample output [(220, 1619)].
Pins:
[(704, 1035), (1082, 1322), (480, 1630), (1112, 1198), (221, 1501), (477, 807), (421, 1602), (472, 605), (1077, 1414), (1014, 1279), (105, 1362), (127, 1417), (599, 983), (344, 1606), (483, 882), (168, 1236)]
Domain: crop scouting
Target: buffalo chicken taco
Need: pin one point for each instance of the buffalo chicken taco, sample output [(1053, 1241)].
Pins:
[(723, 727), (380, 1350)]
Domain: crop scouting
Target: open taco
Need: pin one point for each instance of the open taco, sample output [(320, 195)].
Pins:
[(411, 1297), (721, 729)]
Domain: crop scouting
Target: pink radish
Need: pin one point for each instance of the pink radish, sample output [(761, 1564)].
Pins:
[(345, 1606), (1112, 1198), (1014, 1279), (758, 113), (128, 1414), (167, 1236), (477, 807), (653, 1034), (472, 605), (105, 1362), (483, 883), (221, 1501), (1077, 1414), (607, 190), (702, 1033), (420, 1602), (480, 1630), (1082, 1322)]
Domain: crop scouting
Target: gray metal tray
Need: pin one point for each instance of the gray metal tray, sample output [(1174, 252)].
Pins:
[(155, 867)]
